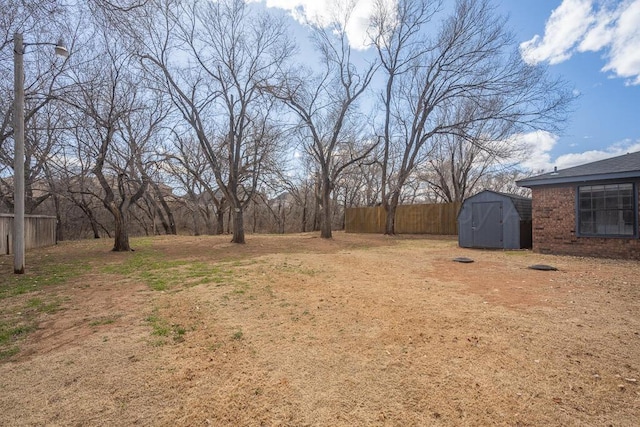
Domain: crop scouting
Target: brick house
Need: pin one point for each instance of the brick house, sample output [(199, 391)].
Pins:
[(588, 210)]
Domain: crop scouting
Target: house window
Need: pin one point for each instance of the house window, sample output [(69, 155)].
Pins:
[(607, 210)]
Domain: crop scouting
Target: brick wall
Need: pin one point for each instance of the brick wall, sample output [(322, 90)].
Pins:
[(555, 228)]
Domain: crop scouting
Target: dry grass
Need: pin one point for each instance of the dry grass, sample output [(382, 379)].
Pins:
[(295, 330)]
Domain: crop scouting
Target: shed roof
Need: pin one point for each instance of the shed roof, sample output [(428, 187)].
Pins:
[(620, 167), (521, 203)]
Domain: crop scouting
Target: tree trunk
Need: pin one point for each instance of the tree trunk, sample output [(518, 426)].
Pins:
[(304, 212), (121, 243), (172, 222), (255, 218), (219, 221), (196, 226), (303, 224), (317, 213), (283, 218), (390, 208), (92, 220), (207, 218), (163, 221), (325, 226), (94, 228), (344, 212), (238, 226), (59, 228)]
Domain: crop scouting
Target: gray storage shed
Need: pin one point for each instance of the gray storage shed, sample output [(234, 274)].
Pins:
[(495, 220)]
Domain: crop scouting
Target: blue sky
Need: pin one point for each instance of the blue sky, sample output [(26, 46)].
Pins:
[(593, 44), (596, 47)]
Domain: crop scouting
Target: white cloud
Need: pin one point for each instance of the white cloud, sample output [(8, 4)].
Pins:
[(624, 55), (566, 27), (599, 35), (575, 159), (541, 143), (538, 145), (302, 10), (591, 25), (323, 12)]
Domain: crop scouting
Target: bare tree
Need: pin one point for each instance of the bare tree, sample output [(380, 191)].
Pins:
[(397, 33), (331, 127), (157, 198), (117, 121), (192, 172), (69, 173), (37, 21), (227, 53), (40, 23), (359, 185), (458, 165), (504, 181), (72, 185), (468, 81), (42, 139)]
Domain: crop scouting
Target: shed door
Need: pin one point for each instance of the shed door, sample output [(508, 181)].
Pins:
[(486, 223)]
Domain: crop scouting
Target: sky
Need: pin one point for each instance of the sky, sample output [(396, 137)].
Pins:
[(593, 44)]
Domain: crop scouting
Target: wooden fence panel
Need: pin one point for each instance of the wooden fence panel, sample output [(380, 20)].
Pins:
[(6, 228), (39, 230), (436, 218), (365, 220)]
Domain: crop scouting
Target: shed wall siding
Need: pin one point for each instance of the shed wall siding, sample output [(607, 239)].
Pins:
[(510, 226), (511, 221), (554, 228)]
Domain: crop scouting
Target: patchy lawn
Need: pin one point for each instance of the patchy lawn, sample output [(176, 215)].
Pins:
[(294, 330)]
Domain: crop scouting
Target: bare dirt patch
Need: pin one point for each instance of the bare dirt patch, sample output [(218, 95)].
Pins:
[(296, 330)]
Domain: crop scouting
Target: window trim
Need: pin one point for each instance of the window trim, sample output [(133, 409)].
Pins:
[(636, 225)]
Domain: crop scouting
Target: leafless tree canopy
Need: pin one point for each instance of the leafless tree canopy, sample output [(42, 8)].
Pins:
[(198, 116), (463, 88), (331, 127)]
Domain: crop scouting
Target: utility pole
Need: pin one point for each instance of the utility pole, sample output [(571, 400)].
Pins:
[(18, 138), (18, 157)]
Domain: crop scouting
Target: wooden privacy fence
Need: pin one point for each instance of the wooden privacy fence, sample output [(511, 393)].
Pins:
[(39, 230), (436, 218)]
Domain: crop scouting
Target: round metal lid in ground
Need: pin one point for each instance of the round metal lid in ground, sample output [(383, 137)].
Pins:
[(463, 260), (542, 267)]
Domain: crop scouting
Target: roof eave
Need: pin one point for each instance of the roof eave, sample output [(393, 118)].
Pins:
[(535, 182)]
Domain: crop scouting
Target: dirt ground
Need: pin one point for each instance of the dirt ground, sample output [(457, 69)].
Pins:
[(361, 330)]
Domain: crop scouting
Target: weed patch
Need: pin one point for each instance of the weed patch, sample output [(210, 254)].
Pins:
[(42, 306), (9, 353), (297, 269), (38, 276), (11, 332), (161, 274), (162, 329), (106, 320), (19, 320)]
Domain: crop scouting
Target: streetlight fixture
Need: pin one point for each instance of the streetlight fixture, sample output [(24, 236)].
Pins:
[(61, 49), (18, 137)]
